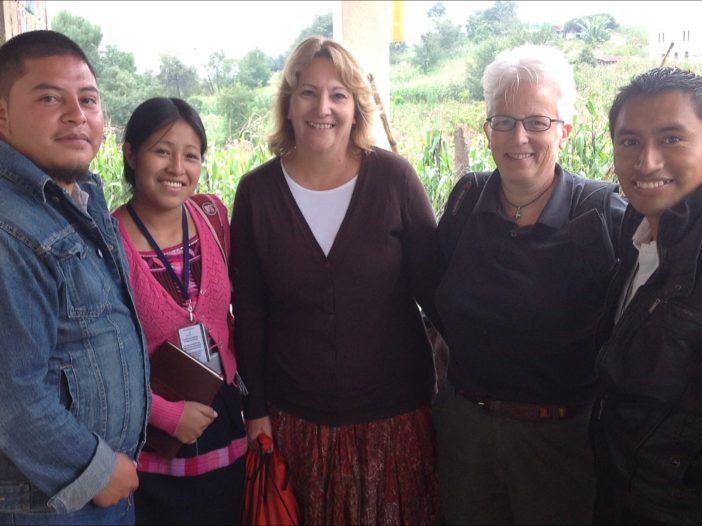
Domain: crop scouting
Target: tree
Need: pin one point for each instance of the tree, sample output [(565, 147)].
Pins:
[(484, 54), (87, 35), (593, 30), (437, 10), (122, 88), (234, 103), (113, 57), (572, 26), (255, 69), (322, 25), (398, 50), (587, 57), (177, 79), (498, 20), (427, 53), (220, 70), (443, 38), (450, 34)]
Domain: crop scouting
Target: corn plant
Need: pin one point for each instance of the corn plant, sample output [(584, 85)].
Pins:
[(225, 165), (434, 167), (589, 149), (109, 165)]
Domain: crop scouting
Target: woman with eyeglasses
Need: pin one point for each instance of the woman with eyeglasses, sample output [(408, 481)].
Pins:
[(529, 251)]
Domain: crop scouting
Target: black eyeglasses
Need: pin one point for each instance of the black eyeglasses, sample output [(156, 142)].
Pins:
[(532, 123)]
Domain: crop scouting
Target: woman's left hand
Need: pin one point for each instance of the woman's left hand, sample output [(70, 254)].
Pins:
[(193, 422)]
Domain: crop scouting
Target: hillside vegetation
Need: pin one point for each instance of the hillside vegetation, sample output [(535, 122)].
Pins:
[(435, 86)]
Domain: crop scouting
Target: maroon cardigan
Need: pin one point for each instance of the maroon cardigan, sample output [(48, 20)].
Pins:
[(337, 339)]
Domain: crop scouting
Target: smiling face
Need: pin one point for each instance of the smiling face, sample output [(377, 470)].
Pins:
[(321, 110), (658, 151), (53, 116), (527, 157), (167, 167)]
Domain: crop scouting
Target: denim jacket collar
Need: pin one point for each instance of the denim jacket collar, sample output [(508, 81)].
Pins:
[(28, 177)]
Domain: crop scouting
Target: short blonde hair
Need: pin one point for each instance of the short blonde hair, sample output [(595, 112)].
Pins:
[(282, 139), (531, 63)]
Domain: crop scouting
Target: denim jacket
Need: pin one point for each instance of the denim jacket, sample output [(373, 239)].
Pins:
[(73, 361)]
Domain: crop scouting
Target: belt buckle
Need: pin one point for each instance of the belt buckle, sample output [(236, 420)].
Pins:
[(552, 412)]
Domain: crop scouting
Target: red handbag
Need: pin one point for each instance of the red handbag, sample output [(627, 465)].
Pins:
[(268, 493)]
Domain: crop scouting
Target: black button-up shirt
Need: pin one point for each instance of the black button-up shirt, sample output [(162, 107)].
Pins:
[(520, 305)]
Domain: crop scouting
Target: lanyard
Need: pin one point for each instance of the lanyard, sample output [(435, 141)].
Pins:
[(182, 285)]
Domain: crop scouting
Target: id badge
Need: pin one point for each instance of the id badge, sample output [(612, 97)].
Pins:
[(193, 340)]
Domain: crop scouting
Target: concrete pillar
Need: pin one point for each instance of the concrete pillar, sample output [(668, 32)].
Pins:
[(364, 27)]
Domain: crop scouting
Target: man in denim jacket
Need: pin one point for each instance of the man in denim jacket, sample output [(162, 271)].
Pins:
[(73, 363)]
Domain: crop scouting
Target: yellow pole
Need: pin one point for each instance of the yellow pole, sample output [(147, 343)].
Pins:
[(398, 21)]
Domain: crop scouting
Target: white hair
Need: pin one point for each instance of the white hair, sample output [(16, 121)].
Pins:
[(531, 63)]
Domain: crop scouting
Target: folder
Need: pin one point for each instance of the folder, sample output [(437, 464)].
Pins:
[(175, 376)]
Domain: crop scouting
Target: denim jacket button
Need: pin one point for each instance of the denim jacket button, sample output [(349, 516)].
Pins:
[(99, 253)]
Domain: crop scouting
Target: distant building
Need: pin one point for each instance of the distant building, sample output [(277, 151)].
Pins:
[(606, 61), (18, 16), (687, 40)]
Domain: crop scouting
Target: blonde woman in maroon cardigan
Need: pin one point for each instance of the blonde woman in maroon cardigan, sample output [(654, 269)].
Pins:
[(333, 245), (179, 276)]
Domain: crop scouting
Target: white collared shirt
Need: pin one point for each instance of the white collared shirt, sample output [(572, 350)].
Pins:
[(647, 263)]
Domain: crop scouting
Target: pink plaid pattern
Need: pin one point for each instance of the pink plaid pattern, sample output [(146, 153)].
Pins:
[(187, 467)]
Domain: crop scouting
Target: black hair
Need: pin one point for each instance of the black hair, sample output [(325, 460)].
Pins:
[(154, 114), (654, 82), (34, 44)]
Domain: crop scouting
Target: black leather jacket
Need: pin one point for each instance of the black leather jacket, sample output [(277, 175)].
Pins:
[(648, 421)]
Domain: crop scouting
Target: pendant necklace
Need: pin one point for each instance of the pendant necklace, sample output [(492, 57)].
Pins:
[(518, 208)]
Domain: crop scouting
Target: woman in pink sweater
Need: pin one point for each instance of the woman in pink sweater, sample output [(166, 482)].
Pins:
[(178, 272)]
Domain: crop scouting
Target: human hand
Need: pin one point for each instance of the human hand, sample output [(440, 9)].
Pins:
[(257, 426), (193, 422), (122, 483)]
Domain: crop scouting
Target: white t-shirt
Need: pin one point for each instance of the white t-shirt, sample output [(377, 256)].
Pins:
[(324, 210)]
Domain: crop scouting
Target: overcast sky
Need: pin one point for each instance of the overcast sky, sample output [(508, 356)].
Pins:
[(192, 30)]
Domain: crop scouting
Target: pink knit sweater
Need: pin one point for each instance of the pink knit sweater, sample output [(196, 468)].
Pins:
[(161, 316)]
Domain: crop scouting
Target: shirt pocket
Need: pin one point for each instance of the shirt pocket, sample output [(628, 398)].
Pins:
[(85, 278)]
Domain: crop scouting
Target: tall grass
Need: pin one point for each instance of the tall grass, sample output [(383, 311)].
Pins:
[(424, 111), (588, 152)]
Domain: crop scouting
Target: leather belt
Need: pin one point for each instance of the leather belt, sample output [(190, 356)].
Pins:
[(523, 411)]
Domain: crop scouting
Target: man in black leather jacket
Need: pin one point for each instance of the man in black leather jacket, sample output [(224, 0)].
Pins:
[(647, 424)]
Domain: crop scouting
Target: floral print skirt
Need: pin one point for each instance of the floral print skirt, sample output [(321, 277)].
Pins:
[(380, 472)]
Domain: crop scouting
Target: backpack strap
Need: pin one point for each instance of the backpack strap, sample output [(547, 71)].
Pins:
[(459, 206), (596, 195), (592, 228), (207, 207)]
